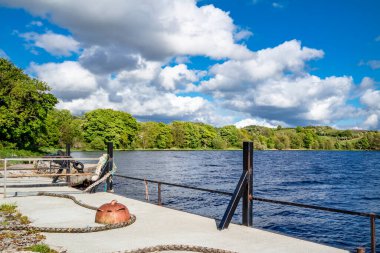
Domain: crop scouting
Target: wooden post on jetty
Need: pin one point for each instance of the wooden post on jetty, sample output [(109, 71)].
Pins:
[(109, 167)]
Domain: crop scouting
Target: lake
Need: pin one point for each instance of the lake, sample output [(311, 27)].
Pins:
[(339, 179)]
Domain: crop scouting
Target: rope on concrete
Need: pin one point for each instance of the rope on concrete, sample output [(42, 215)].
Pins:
[(87, 229), (177, 247)]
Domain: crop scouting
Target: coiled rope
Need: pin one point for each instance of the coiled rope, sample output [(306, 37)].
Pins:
[(88, 229), (101, 180), (158, 248), (177, 247)]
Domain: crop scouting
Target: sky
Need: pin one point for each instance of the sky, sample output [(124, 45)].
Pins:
[(243, 62)]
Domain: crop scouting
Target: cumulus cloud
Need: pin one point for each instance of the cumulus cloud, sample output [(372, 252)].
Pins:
[(125, 47), (79, 91), (177, 77), (155, 29), (68, 80), (371, 98), (274, 85), (55, 44), (258, 122)]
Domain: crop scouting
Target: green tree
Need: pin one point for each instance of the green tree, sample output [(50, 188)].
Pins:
[(308, 138), (109, 125), (208, 134), (63, 128), (231, 135), (24, 105), (296, 141), (363, 143)]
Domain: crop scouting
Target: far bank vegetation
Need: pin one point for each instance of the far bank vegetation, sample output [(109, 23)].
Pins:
[(29, 122)]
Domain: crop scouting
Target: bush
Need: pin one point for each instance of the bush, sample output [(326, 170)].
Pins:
[(98, 144)]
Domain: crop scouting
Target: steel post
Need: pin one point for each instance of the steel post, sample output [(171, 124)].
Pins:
[(109, 167), (373, 232), (247, 193), (159, 200), (68, 153)]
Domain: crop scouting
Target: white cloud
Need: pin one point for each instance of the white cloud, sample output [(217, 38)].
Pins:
[(126, 46), (371, 98), (374, 64), (68, 80), (274, 85), (277, 5), (155, 29), (176, 77), (79, 91), (372, 122), (55, 44), (35, 23), (366, 83), (258, 122)]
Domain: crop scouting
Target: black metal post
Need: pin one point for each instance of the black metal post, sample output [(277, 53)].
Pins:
[(68, 153), (109, 167), (159, 200), (247, 192), (242, 190), (373, 233)]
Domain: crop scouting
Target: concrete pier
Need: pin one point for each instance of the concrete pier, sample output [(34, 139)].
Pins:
[(154, 226)]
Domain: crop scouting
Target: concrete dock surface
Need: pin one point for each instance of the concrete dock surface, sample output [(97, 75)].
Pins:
[(154, 226)]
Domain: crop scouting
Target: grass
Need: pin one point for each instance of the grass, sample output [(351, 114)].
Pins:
[(8, 208), (42, 248)]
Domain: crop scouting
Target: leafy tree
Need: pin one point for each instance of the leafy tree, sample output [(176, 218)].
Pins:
[(308, 138), (231, 135), (62, 128), (208, 135), (24, 105), (299, 129), (363, 143), (109, 125), (296, 141)]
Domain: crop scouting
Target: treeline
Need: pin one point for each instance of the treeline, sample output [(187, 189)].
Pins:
[(96, 128), (29, 121)]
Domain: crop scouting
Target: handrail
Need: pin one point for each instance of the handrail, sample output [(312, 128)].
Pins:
[(50, 159), (175, 185), (372, 216), (281, 202)]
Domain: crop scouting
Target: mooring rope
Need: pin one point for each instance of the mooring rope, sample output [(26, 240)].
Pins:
[(177, 247), (88, 229), (101, 180)]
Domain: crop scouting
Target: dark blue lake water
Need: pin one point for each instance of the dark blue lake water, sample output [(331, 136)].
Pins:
[(345, 180)]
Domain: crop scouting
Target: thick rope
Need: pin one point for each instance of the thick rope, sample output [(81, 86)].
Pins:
[(87, 229), (177, 247), (158, 248), (101, 180)]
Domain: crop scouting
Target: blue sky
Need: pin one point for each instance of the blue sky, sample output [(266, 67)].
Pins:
[(241, 62)]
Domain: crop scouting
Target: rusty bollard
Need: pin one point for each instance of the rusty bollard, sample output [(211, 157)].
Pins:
[(112, 213), (360, 250)]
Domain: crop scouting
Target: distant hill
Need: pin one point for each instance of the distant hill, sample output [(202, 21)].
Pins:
[(313, 137)]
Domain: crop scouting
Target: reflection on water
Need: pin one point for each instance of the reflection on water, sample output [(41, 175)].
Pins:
[(346, 180)]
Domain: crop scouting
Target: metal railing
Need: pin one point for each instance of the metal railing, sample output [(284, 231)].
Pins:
[(244, 182), (68, 174)]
